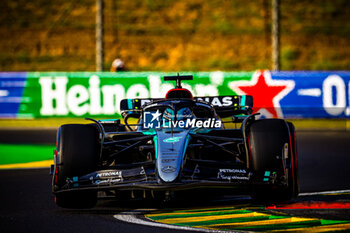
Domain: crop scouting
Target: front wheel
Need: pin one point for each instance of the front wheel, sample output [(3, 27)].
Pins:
[(272, 150), (77, 147)]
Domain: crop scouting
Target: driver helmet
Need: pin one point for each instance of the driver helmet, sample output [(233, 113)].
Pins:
[(168, 114), (184, 113)]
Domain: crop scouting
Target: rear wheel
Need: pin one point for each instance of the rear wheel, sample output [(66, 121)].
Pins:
[(272, 152), (77, 155)]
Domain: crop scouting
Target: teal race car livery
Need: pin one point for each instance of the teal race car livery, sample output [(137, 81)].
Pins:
[(176, 143)]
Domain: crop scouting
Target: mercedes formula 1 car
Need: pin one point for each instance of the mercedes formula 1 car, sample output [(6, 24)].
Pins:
[(176, 143)]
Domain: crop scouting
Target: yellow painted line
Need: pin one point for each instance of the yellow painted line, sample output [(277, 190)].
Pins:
[(337, 227), (194, 212), (39, 164), (209, 218), (264, 222), (336, 194)]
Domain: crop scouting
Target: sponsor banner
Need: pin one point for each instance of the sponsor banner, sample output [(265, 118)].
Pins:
[(12, 85), (299, 94)]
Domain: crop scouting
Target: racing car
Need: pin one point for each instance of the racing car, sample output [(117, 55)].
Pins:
[(179, 142)]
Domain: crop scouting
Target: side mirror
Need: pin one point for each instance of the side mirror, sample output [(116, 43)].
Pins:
[(131, 114)]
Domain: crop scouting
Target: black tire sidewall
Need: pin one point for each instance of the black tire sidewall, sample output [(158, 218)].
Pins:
[(267, 138), (78, 154)]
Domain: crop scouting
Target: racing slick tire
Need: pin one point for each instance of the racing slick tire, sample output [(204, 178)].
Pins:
[(294, 159), (78, 149), (268, 138)]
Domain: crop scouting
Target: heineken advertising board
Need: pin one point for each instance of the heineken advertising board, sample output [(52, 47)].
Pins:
[(300, 94)]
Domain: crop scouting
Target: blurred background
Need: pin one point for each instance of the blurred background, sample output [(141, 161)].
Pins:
[(222, 43), (158, 35), (234, 37)]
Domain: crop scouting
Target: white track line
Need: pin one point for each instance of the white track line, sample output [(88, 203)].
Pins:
[(325, 192), (131, 217)]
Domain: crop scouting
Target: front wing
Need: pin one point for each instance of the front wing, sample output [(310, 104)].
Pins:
[(141, 178)]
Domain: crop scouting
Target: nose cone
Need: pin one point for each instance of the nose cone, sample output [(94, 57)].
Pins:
[(170, 151)]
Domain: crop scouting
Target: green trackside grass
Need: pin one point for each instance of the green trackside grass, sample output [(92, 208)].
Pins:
[(12, 154)]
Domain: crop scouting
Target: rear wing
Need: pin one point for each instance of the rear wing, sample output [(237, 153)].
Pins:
[(225, 106)]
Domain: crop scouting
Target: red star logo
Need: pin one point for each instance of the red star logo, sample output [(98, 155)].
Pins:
[(266, 92)]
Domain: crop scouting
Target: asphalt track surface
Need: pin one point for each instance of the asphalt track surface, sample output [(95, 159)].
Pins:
[(27, 203)]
